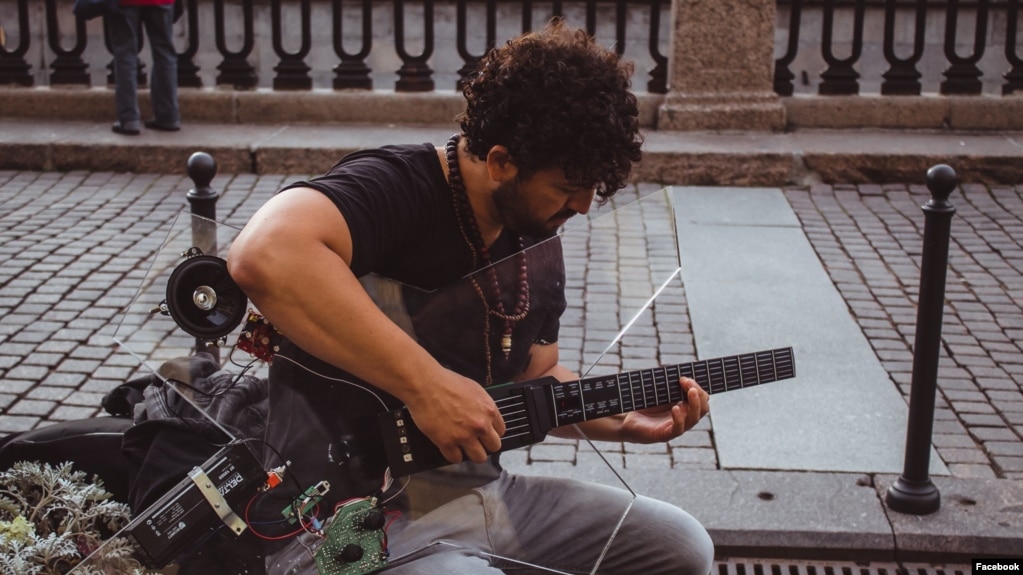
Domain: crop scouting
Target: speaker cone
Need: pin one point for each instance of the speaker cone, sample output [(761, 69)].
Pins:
[(203, 299)]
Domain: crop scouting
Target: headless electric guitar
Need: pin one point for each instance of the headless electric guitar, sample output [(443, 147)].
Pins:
[(532, 408)]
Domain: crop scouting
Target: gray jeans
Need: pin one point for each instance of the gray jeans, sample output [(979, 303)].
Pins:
[(521, 524), (163, 82)]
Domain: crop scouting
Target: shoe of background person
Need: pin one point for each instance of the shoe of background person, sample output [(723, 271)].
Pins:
[(117, 128), (154, 125)]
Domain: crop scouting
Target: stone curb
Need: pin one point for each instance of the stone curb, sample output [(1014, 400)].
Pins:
[(679, 158)]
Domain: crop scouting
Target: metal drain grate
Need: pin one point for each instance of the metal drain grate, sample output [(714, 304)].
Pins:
[(793, 567)]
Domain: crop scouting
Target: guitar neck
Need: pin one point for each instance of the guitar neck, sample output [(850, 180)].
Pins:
[(532, 408), (601, 396)]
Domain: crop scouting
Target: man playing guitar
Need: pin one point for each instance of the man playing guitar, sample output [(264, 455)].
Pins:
[(455, 237)]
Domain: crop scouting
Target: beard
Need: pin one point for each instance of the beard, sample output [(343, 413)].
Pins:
[(513, 209)]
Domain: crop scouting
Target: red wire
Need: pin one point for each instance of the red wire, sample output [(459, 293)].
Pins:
[(394, 516)]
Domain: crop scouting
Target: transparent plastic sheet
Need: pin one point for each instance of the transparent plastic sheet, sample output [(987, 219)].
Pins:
[(616, 266)]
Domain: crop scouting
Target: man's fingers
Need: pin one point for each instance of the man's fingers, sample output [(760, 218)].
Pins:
[(476, 453), (694, 408), (452, 453), (679, 417), (492, 441), (476, 449), (697, 402), (466, 426)]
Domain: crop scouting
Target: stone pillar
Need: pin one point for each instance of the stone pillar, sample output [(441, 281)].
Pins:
[(721, 75)]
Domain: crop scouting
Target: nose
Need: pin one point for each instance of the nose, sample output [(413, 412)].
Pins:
[(581, 201)]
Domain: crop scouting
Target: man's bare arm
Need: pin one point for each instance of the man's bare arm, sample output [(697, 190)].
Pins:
[(292, 260)]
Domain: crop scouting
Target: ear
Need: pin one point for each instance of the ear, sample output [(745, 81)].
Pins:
[(500, 166)]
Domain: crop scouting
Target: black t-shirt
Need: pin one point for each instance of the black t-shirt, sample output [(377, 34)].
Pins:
[(399, 209), (410, 253)]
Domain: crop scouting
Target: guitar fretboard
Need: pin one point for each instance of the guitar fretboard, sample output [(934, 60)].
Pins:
[(531, 409), (601, 396)]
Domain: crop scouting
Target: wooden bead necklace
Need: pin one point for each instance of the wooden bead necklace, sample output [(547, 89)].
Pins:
[(470, 230)]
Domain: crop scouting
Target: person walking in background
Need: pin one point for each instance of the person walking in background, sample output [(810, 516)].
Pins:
[(158, 18)]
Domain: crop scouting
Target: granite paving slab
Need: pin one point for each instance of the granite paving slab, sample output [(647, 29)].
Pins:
[(754, 282)]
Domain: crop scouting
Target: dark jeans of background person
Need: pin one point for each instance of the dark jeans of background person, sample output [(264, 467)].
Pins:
[(163, 78)]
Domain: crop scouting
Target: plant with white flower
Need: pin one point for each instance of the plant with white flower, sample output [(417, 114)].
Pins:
[(52, 518)]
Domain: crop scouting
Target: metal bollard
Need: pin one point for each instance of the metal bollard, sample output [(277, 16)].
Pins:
[(202, 168), (914, 492)]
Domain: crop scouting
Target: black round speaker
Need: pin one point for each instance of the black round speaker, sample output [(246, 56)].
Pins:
[(203, 299)]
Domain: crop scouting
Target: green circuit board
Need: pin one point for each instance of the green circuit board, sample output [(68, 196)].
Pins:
[(346, 532)]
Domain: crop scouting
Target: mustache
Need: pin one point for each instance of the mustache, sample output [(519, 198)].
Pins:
[(564, 214)]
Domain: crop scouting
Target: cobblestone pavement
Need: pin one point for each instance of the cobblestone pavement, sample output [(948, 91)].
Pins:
[(73, 248), (869, 238)]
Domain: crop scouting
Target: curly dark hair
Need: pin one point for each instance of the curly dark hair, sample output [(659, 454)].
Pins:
[(555, 98)]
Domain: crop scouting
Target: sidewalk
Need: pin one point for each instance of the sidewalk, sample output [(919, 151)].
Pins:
[(75, 245), (680, 158)]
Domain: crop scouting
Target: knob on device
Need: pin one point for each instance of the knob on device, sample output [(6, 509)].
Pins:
[(203, 299), (373, 520), (350, 553)]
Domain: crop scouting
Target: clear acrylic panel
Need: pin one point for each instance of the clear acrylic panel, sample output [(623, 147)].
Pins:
[(396, 500)]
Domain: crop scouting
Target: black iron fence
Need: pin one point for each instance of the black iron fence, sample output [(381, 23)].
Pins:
[(831, 47), (959, 47), (355, 39)]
